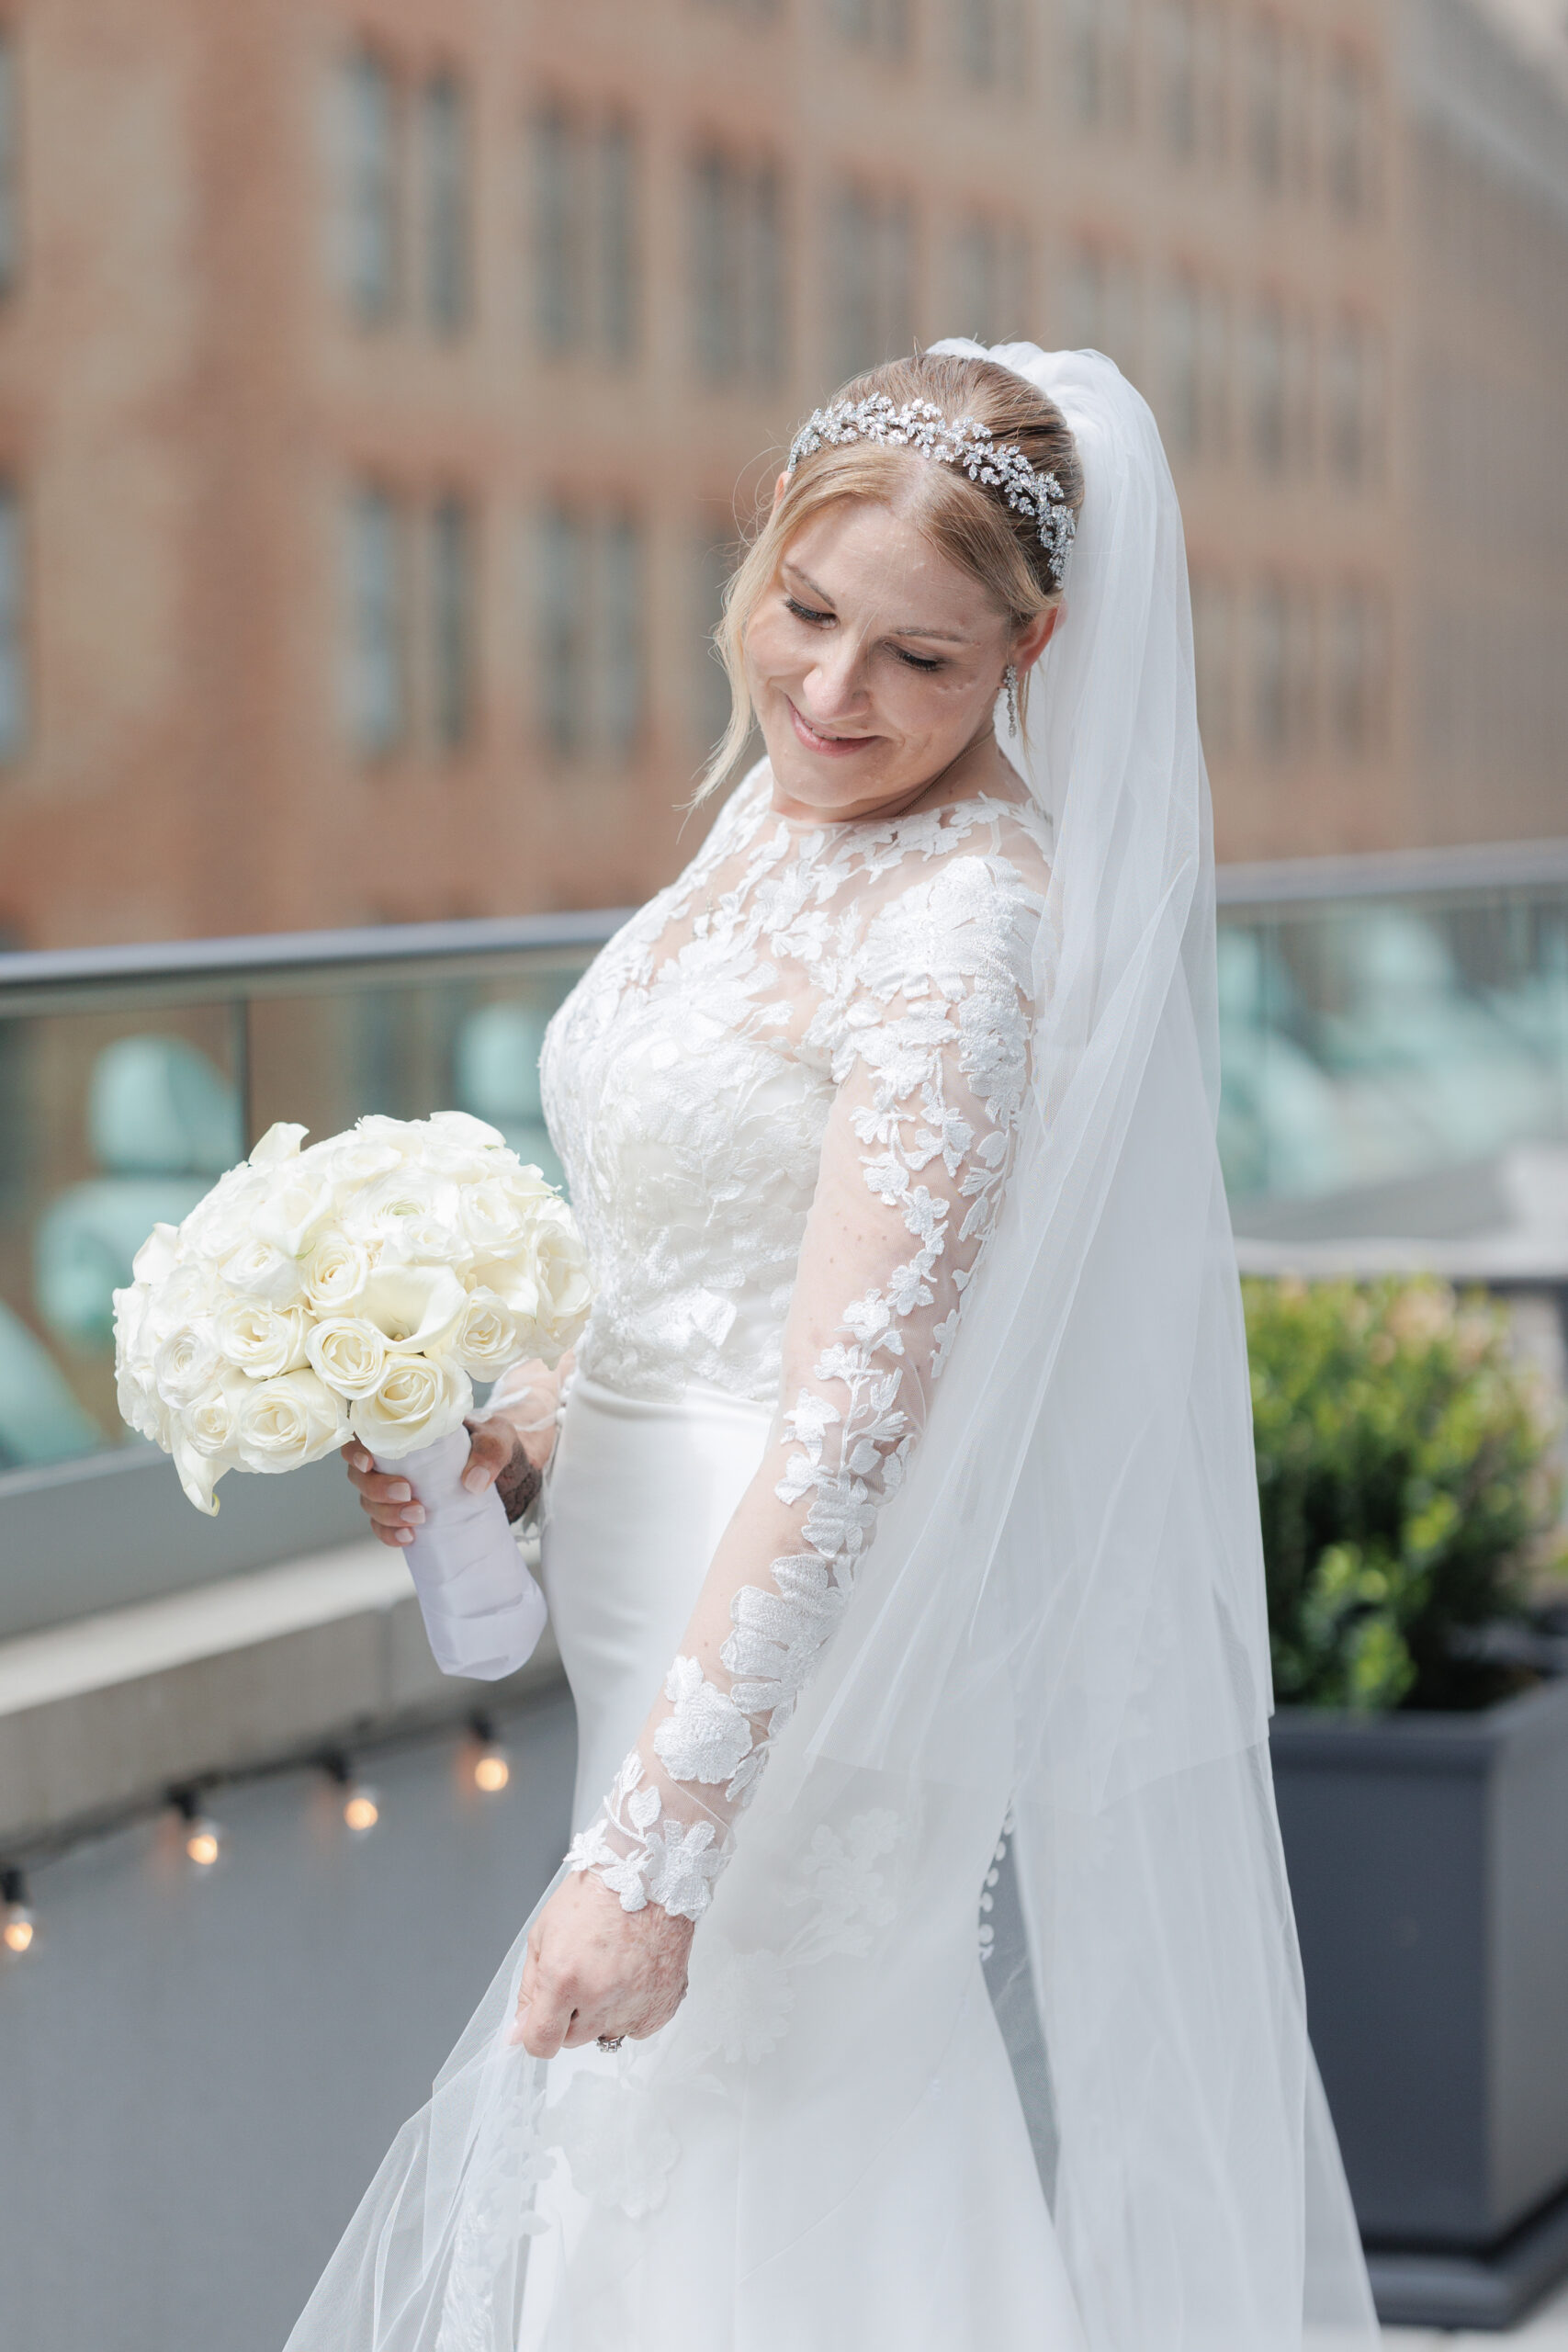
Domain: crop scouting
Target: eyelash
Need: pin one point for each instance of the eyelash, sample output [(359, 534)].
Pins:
[(809, 613)]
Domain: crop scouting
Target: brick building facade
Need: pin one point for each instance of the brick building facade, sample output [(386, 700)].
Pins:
[(379, 385)]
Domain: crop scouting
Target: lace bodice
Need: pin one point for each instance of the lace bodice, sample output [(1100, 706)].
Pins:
[(786, 1096)]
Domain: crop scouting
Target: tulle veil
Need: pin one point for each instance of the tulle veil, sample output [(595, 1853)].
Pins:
[(1074, 1556)]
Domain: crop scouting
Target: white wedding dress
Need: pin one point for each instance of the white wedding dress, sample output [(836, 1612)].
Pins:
[(784, 1096), (893, 1144)]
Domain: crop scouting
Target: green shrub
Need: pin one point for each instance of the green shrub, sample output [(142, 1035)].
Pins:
[(1403, 1465)]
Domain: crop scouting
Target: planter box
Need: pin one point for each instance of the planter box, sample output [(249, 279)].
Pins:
[(1428, 1862)]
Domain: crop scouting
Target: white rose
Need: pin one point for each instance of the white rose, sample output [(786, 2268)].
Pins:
[(417, 1402), (494, 1218), (212, 1425), (359, 1158), (280, 1142), (425, 1242), (221, 1219), (336, 1274), (373, 1213), (158, 1255), (416, 1308), (258, 1339), (462, 1128), (298, 1206), (487, 1337), (258, 1268), (186, 1296), (349, 1353), (130, 1320), (140, 1407), (187, 1364), (547, 1284), (286, 1422)]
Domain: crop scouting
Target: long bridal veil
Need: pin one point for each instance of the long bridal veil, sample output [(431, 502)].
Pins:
[(1072, 1567)]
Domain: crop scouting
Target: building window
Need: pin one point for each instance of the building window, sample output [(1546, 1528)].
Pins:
[(738, 293), (10, 168), (1267, 388), (1183, 405), (1266, 105), (714, 559), (1103, 307), (586, 254), (1214, 654), (589, 646), (370, 209), (618, 288), (1178, 76), (1212, 46), (1214, 371), (873, 253), (1270, 699), (1301, 402), (1353, 402), (1359, 665), (447, 203), (990, 283), (1100, 62), (621, 604), (1350, 137), (990, 43), (1283, 670), (881, 25), (453, 606), (13, 625), (374, 679)]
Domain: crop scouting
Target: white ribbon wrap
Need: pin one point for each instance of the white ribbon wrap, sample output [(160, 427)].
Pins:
[(482, 1611)]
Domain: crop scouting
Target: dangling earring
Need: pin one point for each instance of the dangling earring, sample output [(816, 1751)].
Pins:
[(1009, 687)]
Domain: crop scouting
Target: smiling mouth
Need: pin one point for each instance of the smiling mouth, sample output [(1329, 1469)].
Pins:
[(835, 746)]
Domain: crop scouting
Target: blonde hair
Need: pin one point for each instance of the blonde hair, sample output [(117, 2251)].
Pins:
[(968, 522)]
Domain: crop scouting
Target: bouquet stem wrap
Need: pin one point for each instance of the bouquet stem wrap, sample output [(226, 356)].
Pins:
[(482, 1611)]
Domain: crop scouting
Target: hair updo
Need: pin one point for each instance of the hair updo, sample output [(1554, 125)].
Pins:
[(970, 522)]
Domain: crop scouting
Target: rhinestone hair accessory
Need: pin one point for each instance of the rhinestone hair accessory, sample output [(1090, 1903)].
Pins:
[(968, 444)]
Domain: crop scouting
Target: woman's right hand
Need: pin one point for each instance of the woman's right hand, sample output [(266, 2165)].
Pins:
[(497, 1457)]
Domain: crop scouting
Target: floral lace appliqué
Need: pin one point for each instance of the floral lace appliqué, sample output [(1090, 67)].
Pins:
[(788, 1104)]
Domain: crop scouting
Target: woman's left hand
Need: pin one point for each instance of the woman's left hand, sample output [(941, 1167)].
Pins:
[(593, 1969)]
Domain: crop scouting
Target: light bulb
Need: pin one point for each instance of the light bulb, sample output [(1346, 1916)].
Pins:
[(204, 1842), (361, 1809), (491, 1770), (16, 1924)]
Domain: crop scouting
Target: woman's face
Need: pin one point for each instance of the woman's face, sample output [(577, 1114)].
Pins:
[(874, 663)]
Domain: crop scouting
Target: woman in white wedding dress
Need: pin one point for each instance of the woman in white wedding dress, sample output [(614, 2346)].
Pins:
[(900, 1491)]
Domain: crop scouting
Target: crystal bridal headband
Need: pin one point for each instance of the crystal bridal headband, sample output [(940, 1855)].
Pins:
[(920, 425)]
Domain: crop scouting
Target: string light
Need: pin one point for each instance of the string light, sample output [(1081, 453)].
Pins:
[(492, 1766), (206, 1840), (203, 1836), (18, 1927), (361, 1803)]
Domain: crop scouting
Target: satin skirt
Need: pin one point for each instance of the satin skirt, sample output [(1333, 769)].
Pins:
[(826, 2147)]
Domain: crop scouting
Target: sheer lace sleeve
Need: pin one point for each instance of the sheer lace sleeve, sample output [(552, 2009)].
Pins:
[(925, 1028)]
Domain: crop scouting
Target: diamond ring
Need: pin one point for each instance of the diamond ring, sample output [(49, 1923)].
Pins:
[(610, 2041)]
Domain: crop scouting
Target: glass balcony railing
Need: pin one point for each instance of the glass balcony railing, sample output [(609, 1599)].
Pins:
[(130, 1078), (1394, 1049), (1394, 1057)]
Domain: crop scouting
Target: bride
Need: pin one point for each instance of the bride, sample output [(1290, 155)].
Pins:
[(899, 1521)]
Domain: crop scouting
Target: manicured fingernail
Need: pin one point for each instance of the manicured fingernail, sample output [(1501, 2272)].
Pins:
[(476, 1479), (414, 1515), (402, 1535), (399, 1493)]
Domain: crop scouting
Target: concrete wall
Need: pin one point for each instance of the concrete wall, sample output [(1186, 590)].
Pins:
[(198, 2075)]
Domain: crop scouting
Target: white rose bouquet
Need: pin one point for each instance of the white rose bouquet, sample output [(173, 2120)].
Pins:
[(359, 1288)]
